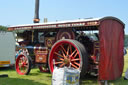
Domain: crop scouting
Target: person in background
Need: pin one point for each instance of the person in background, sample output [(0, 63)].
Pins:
[(125, 51), (22, 50)]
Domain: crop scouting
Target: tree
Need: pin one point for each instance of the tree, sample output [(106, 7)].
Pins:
[(126, 41), (3, 28)]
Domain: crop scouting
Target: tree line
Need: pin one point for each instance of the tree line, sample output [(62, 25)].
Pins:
[(126, 41), (3, 28)]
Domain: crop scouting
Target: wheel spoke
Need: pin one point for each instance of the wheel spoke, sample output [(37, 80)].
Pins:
[(63, 54), (21, 59), (20, 65), (26, 65), (70, 48), (25, 60), (58, 62), (77, 63), (67, 50), (63, 48), (75, 59), (58, 54), (73, 53), (23, 69), (74, 66), (62, 65), (62, 59)]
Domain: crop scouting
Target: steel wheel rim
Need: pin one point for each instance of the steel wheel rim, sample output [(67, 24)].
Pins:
[(72, 59), (22, 65)]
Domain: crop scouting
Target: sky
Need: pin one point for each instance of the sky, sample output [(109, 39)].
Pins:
[(16, 12)]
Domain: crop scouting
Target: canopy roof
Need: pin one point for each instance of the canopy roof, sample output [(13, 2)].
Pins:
[(84, 23)]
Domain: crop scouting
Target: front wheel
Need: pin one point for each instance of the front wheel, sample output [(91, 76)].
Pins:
[(69, 53), (23, 64)]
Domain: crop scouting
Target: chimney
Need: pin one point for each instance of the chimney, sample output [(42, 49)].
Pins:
[(45, 20), (36, 17)]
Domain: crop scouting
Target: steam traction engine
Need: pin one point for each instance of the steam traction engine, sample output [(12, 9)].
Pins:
[(93, 46)]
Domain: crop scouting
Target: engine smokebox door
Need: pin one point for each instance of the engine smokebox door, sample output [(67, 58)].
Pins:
[(41, 54)]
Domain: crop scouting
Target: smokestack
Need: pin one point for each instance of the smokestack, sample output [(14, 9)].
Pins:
[(36, 17)]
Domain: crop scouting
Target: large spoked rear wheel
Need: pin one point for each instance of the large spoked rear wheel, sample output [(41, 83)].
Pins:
[(23, 65), (70, 53)]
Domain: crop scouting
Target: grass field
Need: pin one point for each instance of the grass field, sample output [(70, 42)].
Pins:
[(37, 78)]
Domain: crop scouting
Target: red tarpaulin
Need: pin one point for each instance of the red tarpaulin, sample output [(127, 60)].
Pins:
[(111, 32)]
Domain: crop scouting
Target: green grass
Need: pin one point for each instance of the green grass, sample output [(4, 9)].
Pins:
[(37, 78), (34, 78)]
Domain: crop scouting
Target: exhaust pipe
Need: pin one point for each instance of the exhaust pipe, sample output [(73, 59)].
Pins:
[(36, 17)]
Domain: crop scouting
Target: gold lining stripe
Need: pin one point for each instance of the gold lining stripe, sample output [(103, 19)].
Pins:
[(4, 62)]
